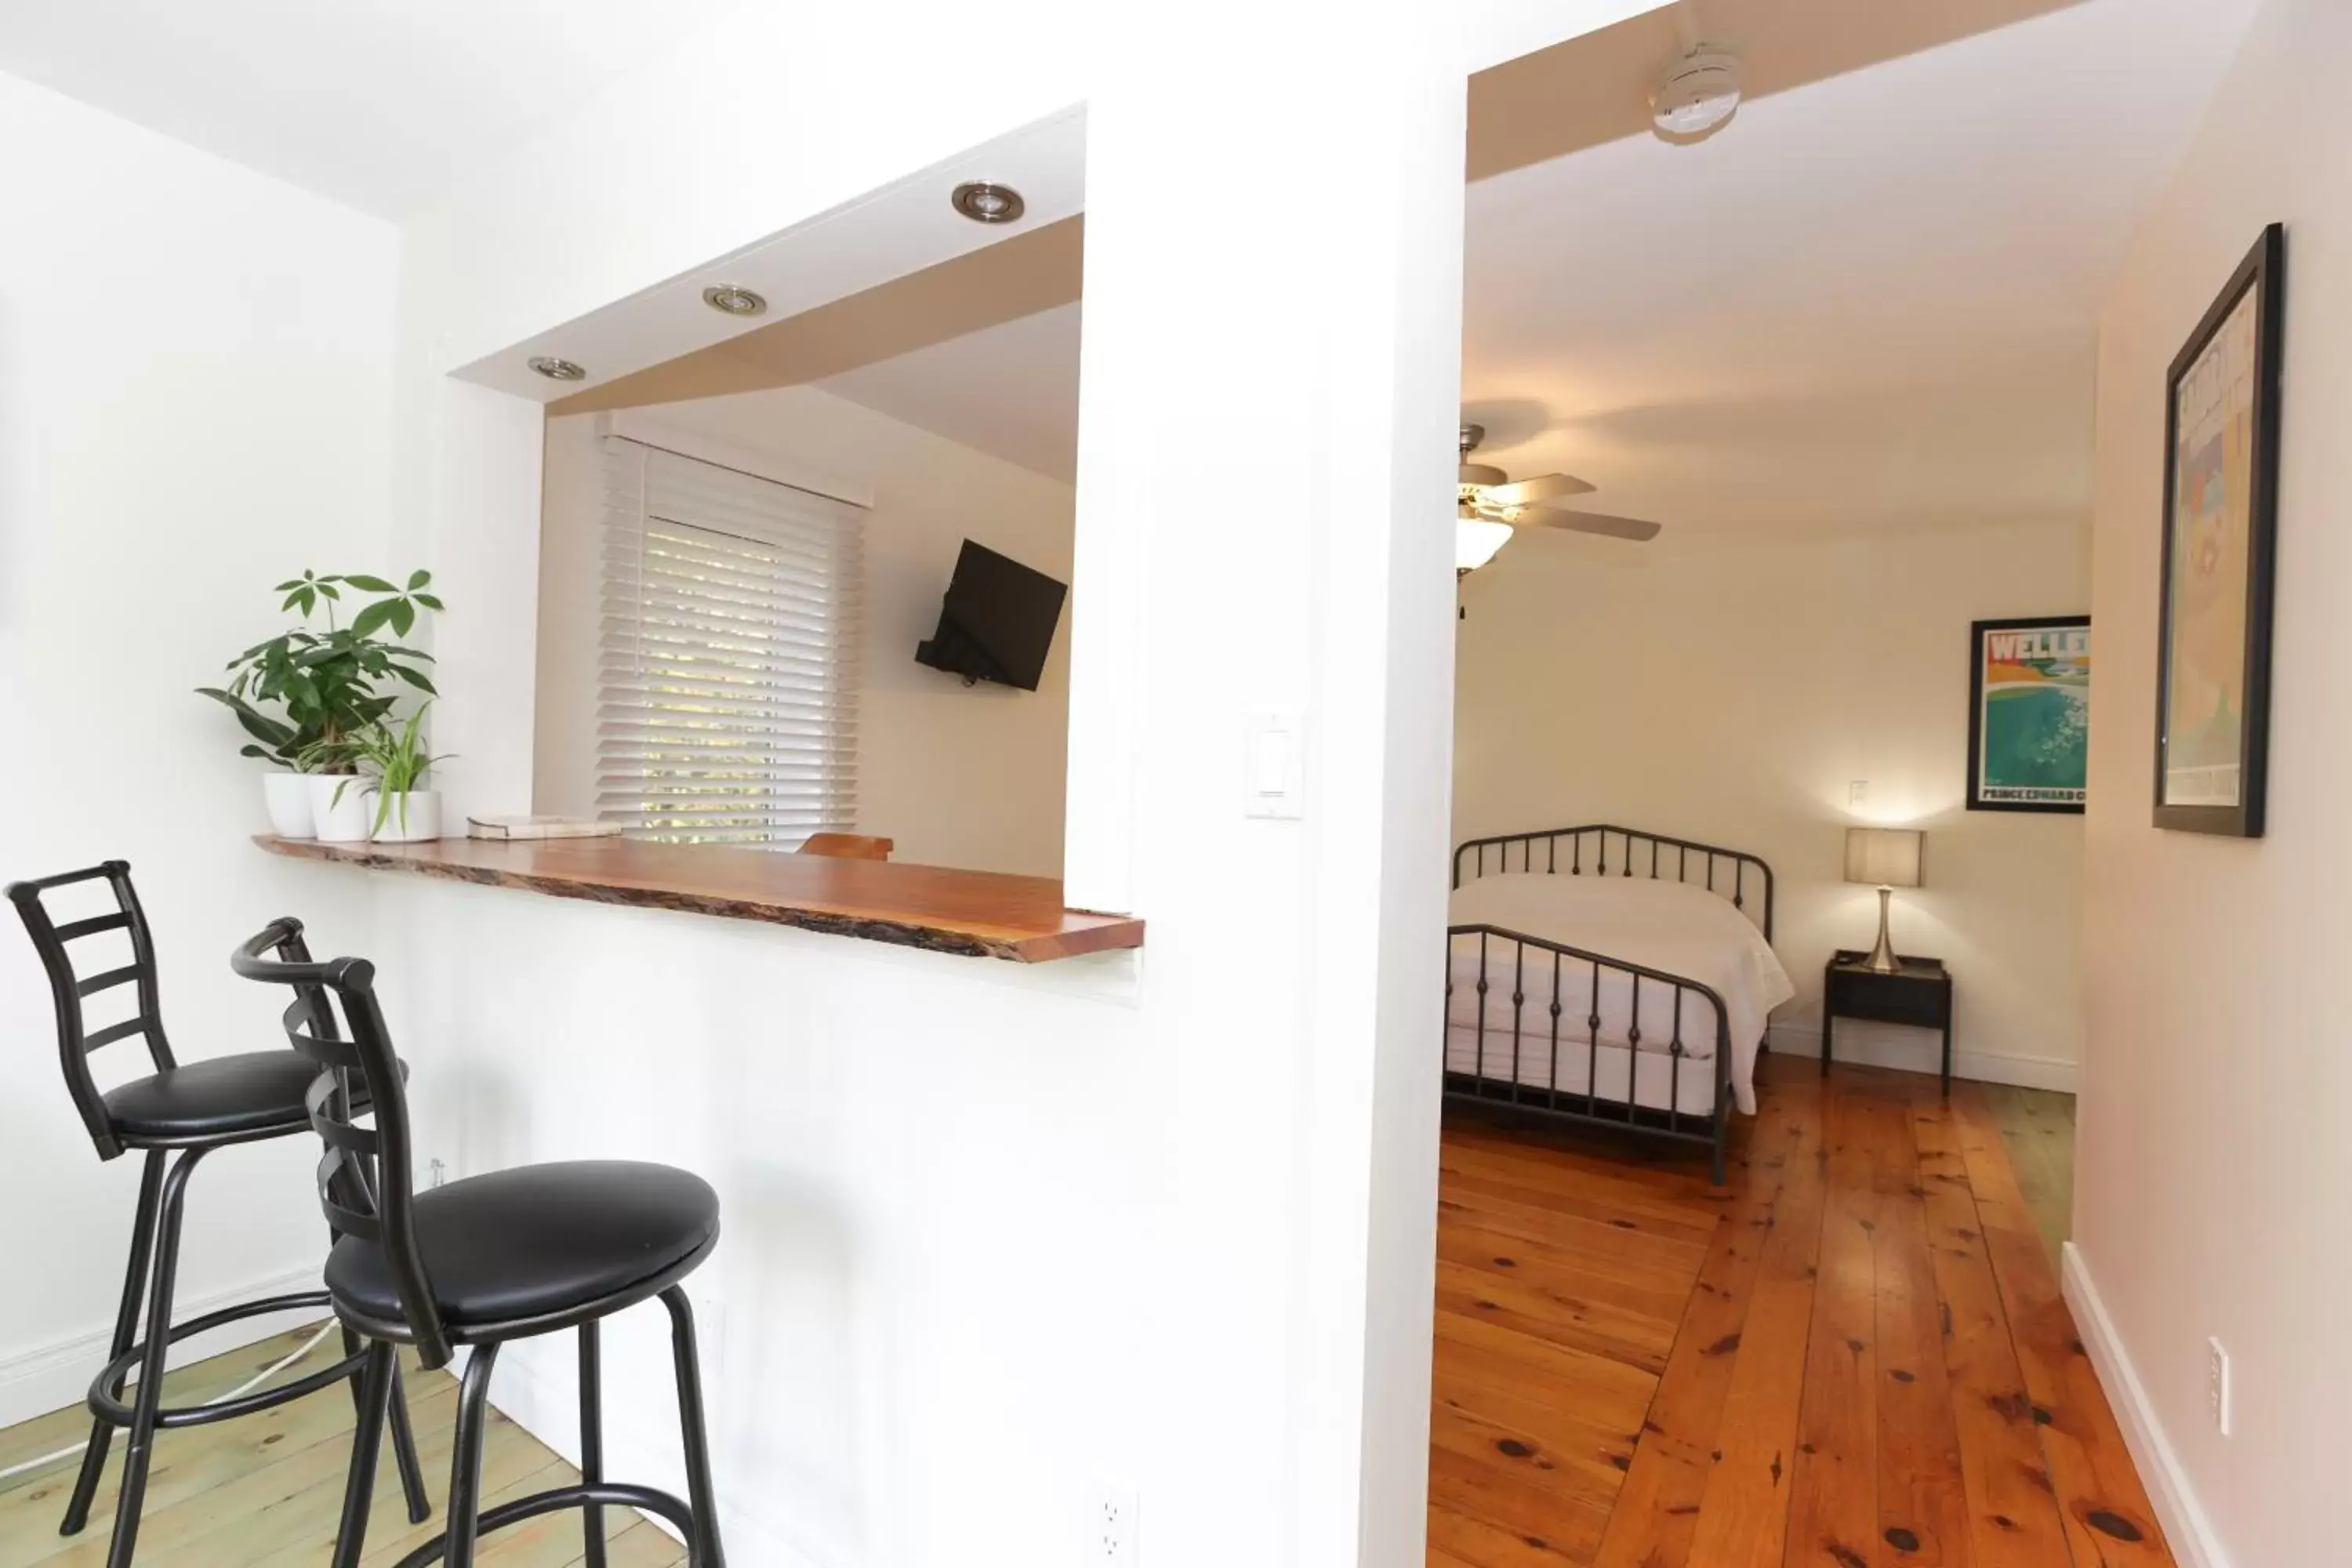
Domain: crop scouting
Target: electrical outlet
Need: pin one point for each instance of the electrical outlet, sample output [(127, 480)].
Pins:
[(1857, 792), (1113, 1527), (437, 1172), (2217, 1385)]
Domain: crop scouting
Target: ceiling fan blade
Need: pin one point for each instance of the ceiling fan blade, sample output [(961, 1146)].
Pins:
[(1591, 522), (1531, 492)]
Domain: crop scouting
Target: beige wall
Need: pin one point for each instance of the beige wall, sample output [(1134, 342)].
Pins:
[(1731, 693), (968, 776), (2214, 1175)]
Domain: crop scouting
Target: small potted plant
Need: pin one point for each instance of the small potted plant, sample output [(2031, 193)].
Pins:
[(342, 799), (305, 695), (404, 812)]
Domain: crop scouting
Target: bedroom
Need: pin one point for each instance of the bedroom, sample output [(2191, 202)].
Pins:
[(1812, 430)]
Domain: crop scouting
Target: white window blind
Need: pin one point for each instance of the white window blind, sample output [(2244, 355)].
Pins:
[(728, 703)]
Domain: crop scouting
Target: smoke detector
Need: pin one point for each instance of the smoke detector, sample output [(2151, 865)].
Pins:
[(1698, 95)]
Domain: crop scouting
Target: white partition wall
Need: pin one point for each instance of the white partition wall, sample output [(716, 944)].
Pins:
[(1268, 384)]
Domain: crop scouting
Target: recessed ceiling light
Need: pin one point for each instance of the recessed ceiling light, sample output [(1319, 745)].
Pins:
[(557, 369), (984, 203), (1698, 95), (734, 299)]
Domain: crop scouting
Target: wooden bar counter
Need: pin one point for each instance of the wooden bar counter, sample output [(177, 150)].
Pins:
[(978, 914)]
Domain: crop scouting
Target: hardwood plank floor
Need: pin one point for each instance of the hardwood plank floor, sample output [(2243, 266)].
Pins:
[(265, 1491), (1870, 1367)]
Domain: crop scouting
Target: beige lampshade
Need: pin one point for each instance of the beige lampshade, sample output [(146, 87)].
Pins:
[(1884, 856)]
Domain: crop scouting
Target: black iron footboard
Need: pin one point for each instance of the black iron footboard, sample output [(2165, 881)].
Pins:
[(1554, 977)]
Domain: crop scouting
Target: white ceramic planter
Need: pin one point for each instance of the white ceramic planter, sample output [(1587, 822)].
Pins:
[(342, 807), (412, 816), (288, 796)]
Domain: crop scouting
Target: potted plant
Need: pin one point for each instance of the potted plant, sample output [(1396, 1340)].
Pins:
[(341, 800), (404, 812), (305, 696)]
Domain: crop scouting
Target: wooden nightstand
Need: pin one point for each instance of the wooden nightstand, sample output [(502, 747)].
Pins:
[(1921, 995)]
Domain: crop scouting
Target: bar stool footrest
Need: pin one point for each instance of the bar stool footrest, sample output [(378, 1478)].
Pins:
[(106, 1400), (645, 1500)]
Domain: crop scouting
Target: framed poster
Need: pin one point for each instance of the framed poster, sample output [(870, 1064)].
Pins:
[(2220, 505), (2030, 713)]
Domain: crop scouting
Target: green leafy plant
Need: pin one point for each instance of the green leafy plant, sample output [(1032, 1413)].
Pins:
[(327, 689), (400, 761)]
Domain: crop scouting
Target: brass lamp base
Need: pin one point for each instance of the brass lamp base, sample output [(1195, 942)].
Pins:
[(1882, 959)]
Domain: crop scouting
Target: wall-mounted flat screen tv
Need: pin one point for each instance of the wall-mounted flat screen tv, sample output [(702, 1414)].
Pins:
[(998, 621)]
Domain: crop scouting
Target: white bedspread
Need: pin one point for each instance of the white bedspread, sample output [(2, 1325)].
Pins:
[(1665, 926)]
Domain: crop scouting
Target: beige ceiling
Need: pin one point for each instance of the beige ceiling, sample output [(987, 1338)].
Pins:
[(1595, 89), (1867, 303)]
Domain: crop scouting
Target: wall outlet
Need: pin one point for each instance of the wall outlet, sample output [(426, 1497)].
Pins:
[(1111, 1530), (1857, 792), (436, 1172), (2217, 1385)]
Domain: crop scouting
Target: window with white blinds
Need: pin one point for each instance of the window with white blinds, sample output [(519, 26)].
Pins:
[(727, 707)]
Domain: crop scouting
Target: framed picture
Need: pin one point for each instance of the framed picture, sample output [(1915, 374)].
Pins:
[(2030, 713), (2220, 507)]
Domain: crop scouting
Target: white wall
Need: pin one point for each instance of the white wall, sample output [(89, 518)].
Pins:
[(196, 379), (1731, 691), (966, 777), (2213, 1172)]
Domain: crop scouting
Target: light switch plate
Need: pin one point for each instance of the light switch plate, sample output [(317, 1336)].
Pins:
[(1274, 781)]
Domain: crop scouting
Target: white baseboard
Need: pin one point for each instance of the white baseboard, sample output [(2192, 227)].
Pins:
[(2186, 1528), (1917, 1050), (55, 1377)]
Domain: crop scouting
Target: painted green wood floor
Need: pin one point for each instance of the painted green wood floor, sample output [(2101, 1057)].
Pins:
[(264, 1491)]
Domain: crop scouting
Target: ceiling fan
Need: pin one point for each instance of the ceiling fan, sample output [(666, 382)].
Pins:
[(1489, 504)]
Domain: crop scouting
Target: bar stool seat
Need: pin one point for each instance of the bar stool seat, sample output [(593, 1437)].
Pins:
[(541, 1242), (224, 1099), (261, 1091)]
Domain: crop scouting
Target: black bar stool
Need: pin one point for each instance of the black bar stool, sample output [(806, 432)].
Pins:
[(196, 1108), (483, 1261)]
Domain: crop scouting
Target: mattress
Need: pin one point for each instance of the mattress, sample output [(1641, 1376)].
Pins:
[(1678, 930)]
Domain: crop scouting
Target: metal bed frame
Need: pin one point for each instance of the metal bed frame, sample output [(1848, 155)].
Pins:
[(1683, 1006)]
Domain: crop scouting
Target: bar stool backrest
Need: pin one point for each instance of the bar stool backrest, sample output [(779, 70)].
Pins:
[(69, 988), (366, 1183)]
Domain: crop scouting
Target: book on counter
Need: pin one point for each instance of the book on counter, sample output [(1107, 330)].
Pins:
[(539, 828)]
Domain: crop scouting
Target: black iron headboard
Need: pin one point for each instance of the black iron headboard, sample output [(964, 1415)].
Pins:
[(1588, 852)]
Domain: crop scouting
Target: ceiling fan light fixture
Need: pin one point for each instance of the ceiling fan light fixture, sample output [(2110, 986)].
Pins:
[(1698, 95), (1475, 541)]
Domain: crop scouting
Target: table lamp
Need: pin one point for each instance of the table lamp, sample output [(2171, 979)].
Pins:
[(1891, 858)]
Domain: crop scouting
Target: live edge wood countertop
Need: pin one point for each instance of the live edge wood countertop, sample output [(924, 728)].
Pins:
[(979, 914)]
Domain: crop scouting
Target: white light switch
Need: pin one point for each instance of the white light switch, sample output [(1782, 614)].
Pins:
[(1275, 760)]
